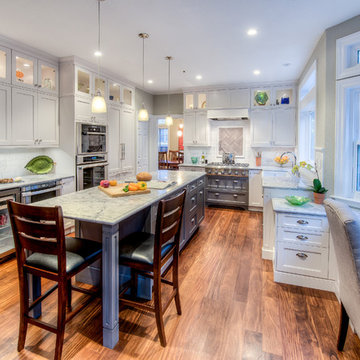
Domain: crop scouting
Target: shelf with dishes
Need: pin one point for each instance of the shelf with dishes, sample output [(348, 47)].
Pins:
[(273, 96)]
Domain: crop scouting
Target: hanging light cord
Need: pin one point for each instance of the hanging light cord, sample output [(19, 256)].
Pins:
[(143, 64), (169, 58), (99, 49)]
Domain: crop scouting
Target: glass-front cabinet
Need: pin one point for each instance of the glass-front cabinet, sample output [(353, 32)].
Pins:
[(83, 82), (100, 84), (5, 64), (275, 96), (114, 92), (24, 70), (194, 101), (47, 77), (128, 97)]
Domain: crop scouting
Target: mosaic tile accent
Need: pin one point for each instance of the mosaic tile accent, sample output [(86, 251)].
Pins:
[(231, 140)]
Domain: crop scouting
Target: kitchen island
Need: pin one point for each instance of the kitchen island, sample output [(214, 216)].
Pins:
[(113, 218)]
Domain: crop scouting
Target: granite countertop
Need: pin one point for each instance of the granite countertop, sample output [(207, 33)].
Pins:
[(281, 205), (95, 206), (284, 182), (34, 179), (265, 167), (194, 165)]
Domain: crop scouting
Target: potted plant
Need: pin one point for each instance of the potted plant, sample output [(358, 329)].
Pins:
[(319, 191)]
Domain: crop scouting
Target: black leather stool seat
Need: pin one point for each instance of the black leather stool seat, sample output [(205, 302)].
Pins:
[(139, 247), (77, 252)]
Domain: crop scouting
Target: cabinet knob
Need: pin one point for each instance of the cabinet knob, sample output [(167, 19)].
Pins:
[(39, 86), (302, 237), (302, 222), (217, 194), (302, 256)]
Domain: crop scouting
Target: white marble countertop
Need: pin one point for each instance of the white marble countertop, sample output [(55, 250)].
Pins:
[(193, 165), (265, 167), (95, 206), (283, 182), (281, 205), (34, 179)]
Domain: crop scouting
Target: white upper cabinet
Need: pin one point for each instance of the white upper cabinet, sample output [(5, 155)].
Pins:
[(5, 64), (5, 115), (48, 77), (114, 91), (196, 129), (128, 97), (276, 127), (47, 122), (84, 81), (114, 140), (100, 84), (195, 100), (229, 98)]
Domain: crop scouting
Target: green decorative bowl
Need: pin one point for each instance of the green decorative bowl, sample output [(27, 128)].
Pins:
[(297, 200), (261, 97), (194, 159), (40, 164)]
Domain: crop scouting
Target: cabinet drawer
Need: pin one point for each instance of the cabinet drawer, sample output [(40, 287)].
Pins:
[(227, 198), (303, 237), (303, 223), (192, 223), (192, 187), (201, 182), (302, 260), (193, 200)]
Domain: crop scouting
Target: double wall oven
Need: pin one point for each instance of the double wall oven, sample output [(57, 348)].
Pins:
[(91, 160)]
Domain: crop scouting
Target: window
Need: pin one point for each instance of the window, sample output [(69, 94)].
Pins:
[(163, 139), (307, 116)]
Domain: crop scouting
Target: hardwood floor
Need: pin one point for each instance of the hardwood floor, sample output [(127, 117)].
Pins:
[(231, 307)]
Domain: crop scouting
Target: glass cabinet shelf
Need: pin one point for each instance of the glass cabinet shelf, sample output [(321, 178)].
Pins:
[(3, 64), (83, 82), (114, 92), (48, 77), (24, 70), (128, 97), (100, 84)]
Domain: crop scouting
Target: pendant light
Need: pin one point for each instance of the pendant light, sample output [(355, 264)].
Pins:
[(98, 104), (143, 113), (169, 120)]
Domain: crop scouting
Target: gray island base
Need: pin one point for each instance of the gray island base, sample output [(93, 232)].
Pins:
[(109, 220)]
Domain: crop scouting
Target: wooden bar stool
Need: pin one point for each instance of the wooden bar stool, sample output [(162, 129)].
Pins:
[(162, 160), (146, 253), (39, 231)]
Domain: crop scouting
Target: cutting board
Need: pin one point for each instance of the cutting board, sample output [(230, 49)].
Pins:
[(117, 191)]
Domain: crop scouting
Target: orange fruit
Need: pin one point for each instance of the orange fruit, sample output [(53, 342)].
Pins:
[(113, 182)]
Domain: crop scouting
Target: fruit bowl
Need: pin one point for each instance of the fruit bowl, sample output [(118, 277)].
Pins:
[(281, 161), (297, 200)]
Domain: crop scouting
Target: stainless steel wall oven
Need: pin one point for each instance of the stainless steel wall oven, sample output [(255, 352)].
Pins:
[(91, 139), (90, 170)]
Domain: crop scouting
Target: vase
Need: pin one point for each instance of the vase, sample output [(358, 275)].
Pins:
[(319, 198)]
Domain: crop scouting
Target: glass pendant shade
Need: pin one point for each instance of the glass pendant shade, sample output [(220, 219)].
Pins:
[(98, 104), (169, 120), (143, 114)]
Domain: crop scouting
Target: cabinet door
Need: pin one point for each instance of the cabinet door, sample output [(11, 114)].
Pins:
[(114, 140), (101, 85), (24, 70), (5, 115), (83, 82), (239, 98), (24, 112), (218, 99), (128, 97), (255, 188), (190, 128), (5, 64), (261, 124), (127, 140), (202, 128), (47, 122), (83, 110), (48, 76), (284, 127), (189, 102)]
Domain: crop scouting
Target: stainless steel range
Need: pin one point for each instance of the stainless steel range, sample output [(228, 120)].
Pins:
[(227, 184)]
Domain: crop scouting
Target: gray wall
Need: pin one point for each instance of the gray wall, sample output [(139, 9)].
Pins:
[(161, 104), (325, 55), (146, 98)]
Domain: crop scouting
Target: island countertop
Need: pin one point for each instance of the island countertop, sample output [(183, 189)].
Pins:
[(282, 205), (95, 206)]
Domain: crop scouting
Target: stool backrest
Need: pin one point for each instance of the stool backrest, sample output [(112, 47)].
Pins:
[(38, 229), (173, 155), (168, 222)]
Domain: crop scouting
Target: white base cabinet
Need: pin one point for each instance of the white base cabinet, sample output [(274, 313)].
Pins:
[(255, 189)]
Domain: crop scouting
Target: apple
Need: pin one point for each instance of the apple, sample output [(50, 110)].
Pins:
[(104, 183)]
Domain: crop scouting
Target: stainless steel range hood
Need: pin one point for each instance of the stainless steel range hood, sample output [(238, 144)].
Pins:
[(228, 114)]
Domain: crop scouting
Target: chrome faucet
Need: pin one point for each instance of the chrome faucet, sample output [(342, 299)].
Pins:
[(289, 152)]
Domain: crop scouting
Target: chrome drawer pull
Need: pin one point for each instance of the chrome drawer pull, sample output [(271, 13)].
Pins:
[(302, 222), (235, 196), (301, 256), (193, 199), (217, 194), (217, 180), (302, 237), (200, 192)]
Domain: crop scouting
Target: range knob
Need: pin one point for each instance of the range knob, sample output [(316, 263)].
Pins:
[(229, 172), (243, 173), (222, 172), (216, 171), (236, 172), (209, 171)]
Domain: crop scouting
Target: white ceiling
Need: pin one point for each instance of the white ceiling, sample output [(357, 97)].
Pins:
[(206, 37)]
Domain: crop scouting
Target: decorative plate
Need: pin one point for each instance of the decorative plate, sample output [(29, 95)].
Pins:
[(40, 164), (297, 200), (261, 97)]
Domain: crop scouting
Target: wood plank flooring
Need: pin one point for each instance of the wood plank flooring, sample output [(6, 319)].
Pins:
[(232, 309)]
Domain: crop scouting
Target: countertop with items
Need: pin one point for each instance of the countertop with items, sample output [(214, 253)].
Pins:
[(265, 167), (282, 205), (34, 179), (95, 206), (284, 182)]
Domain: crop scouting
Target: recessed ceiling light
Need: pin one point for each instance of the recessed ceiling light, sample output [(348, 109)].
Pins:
[(150, 81), (252, 32), (198, 77), (256, 72), (98, 53), (27, 65)]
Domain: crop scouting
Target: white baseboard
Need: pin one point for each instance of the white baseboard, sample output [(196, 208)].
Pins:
[(255, 208), (267, 254), (305, 281)]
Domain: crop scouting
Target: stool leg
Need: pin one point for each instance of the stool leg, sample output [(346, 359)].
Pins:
[(69, 294), (158, 308), (176, 282), (134, 282), (24, 310), (343, 328), (62, 297)]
